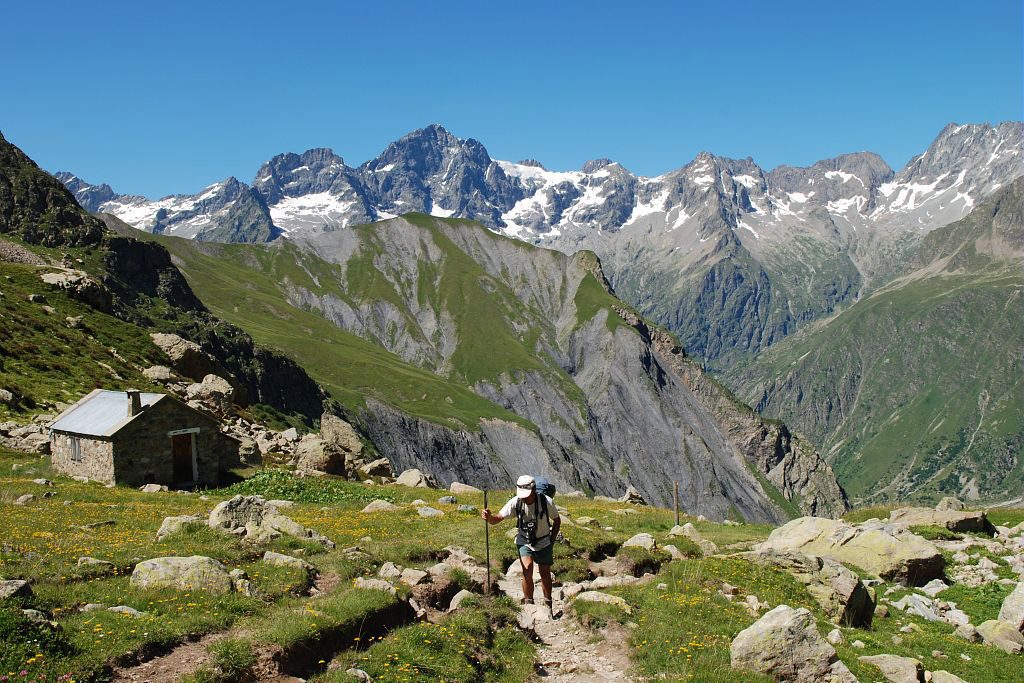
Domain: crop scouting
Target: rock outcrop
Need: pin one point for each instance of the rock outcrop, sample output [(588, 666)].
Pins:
[(840, 592), (897, 669), (954, 520), (253, 518), (1012, 610), (196, 573), (888, 551)]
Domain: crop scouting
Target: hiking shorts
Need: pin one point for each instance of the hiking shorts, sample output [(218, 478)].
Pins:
[(544, 556)]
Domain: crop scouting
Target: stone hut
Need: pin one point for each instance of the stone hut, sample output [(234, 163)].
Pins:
[(135, 438)]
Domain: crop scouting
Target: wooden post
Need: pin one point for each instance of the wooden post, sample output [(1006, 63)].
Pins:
[(675, 499), (487, 542)]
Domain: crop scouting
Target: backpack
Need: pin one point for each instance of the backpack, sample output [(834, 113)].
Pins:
[(545, 487), (527, 528)]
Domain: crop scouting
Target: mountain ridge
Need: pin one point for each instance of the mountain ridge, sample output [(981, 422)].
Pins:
[(795, 243)]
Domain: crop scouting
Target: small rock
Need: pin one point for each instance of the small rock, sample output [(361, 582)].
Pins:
[(459, 598), (835, 636), (968, 633), (413, 577), (632, 496), (427, 511), (415, 478), (858, 645), (466, 508), (933, 587), (457, 487), (389, 571), (946, 677), (35, 616), (279, 560), (25, 499), (897, 669), (380, 506), (14, 588), (153, 488), (447, 500), (93, 563), (93, 607), (374, 585), (359, 675), (597, 596), (643, 540), (42, 482), (125, 609)]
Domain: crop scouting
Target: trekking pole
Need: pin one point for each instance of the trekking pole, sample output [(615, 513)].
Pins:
[(487, 542), (675, 500)]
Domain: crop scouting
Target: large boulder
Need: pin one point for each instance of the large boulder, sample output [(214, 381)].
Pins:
[(214, 393), (187, 358), (888, 551), (380, 467), (253, 518), (785, 644), (415, 478), (897, 669), (196, 573), (78, 285), (1012, 611), (314, 454), (1001, 635), (340, 434), (840, 592), (954, 520)]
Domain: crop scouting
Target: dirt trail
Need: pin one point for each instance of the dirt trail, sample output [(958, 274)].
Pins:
[(168, 668), (568, 651), (189, 656)]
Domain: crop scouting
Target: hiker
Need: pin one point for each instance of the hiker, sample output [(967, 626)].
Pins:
[(537, 525)]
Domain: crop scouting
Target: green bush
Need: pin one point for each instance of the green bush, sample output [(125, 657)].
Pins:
[(283, 485)]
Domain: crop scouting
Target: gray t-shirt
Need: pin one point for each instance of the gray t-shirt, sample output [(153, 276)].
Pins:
[(543, 528)]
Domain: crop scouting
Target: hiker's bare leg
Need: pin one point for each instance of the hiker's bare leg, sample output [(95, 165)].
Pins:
[(545, 581), (527, 578)]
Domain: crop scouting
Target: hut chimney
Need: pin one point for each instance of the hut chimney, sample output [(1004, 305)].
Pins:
[(134, 402)]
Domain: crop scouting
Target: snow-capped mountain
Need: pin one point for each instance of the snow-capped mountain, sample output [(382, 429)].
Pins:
[(729, 256)]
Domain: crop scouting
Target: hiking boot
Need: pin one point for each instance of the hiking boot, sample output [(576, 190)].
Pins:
[(526, 601)]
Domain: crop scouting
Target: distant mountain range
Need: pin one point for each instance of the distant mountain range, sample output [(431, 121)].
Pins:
[(453, 349), (918, 388), (855, 302), (726, 255)]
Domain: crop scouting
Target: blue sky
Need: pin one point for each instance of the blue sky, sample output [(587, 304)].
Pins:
[(156, 98)]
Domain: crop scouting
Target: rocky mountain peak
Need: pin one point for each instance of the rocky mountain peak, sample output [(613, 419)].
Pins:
[(595, 165), (532, 163)]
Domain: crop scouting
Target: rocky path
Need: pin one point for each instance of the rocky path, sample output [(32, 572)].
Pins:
[(168, 668), (568, 652)]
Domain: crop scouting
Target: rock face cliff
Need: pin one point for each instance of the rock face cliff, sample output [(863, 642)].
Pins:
[(603, 401)]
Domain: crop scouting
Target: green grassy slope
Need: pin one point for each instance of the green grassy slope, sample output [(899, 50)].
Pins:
[(246, 285), (917, 389), (44, 360)]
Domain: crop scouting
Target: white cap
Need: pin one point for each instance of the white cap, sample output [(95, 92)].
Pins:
[(525, 486)]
